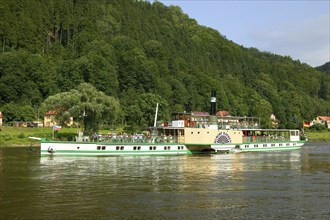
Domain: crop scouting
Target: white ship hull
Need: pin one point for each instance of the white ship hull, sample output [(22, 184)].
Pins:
[(110, 149)]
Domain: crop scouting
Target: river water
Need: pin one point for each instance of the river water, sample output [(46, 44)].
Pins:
[(258, 185)]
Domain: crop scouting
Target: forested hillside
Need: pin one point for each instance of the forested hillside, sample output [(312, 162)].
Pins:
[(136, 50), (324, 68)]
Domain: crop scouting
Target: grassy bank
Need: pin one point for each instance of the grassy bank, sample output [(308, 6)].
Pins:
[(321, 136), (12, 136)]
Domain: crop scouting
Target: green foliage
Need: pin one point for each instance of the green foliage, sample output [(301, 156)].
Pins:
[(21, 136), (263, 110), (86, 104), (142, 112), (142, 53), (15, 112), (318, 127), (324, 68)]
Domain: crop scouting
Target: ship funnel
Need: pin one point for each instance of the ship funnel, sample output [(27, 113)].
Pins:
[(213, 103)]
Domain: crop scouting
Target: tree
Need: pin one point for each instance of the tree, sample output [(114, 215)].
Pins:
[(128, 48), (263, 110), (142, 112), (86, 104), (16, 112)]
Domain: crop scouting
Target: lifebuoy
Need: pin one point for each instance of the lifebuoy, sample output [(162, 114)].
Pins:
[(165, 124)]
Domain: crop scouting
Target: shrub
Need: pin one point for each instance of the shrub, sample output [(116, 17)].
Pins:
[(21, 136), (318, 127)]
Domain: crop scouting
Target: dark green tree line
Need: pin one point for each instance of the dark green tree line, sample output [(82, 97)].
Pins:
[(128, 48)]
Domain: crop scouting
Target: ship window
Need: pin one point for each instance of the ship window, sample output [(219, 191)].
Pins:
[(273, 145), (103, 147), (292, 133), (98, 147), (78, 147), (154, 148), (179, 147), (264, 145), (169, 148), (139, 148), (294, 144), (246, 146), (208, 132), (122, 148), (117, 147), (197, 132), (280, 145), (134, 148), (165, 148), (256, 145), (192, 132), (287, 144), (150, 148)]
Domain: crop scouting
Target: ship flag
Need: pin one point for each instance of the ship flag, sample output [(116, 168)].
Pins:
[(306, 124), (57, 128)]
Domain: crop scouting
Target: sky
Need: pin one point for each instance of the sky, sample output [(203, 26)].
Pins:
[(296, 28)]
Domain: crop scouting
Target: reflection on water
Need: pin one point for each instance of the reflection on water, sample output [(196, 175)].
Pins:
[(256, 185)]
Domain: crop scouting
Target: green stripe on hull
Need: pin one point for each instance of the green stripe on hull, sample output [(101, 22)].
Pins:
[(112, 153), (270, 148), (112, 143)]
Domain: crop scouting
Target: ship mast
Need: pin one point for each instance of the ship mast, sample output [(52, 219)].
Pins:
[(156, 115), (154, 130)]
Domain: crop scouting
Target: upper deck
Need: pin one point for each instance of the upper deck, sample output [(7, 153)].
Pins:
[(204, 120)]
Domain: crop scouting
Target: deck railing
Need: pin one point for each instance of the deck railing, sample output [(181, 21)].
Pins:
[(134, 139)]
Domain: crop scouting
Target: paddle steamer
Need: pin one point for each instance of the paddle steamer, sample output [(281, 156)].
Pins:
[(187, 133)]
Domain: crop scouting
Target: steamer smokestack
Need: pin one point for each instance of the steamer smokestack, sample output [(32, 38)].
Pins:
[(213, 102)]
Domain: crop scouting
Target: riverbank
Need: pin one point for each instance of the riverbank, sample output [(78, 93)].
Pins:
[(321, 136), (12, 136)]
